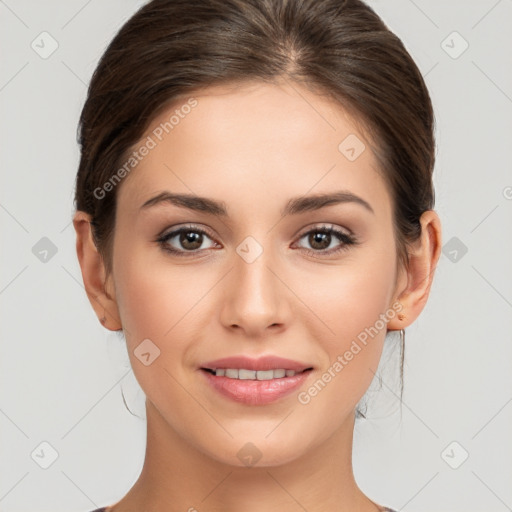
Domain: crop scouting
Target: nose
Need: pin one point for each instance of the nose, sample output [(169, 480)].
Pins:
[(254, 298)]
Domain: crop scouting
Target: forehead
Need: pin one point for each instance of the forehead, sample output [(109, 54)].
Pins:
[(273, 140)]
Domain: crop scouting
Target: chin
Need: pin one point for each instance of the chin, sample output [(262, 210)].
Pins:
[(259, 453)]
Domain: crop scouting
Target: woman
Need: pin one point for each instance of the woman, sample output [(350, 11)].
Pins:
[(254, 214)]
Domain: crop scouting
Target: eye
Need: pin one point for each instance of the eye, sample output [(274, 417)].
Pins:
[(321, 238), (190, 238)]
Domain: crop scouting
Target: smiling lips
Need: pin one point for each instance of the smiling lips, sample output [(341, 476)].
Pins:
[(255, 381)]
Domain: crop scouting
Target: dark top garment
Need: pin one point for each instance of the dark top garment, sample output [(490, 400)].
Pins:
[(387, 509)]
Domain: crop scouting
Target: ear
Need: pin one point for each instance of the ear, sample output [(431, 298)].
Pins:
[(413, 287), (101, 293)]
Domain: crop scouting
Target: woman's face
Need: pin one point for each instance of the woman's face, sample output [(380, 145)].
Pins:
[(263, 279)]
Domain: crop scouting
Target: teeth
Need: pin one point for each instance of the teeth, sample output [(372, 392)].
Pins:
[(246, 374), (243, 374)]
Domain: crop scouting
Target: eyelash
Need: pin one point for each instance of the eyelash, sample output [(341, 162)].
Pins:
[(343, 237)]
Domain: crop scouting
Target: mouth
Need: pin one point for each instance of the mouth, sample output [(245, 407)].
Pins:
[(255, 381), (247, 374), (255, 387)]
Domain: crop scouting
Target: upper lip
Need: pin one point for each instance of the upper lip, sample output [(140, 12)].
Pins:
[(261, 363)]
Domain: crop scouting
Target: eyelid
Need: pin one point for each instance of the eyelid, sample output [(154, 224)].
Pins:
[(324, 225), (181, 227)]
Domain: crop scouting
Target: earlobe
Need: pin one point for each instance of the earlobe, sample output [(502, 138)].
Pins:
[(423, 259), (93, 273)]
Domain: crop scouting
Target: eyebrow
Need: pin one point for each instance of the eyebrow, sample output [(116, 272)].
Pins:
[(294, 206)]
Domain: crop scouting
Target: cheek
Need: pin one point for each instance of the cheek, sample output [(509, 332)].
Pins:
[(157, 299), (157, 302), (360, 299), (351, 297), (352, 302)]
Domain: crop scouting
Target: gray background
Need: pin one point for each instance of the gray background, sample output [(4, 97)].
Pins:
[(61, 373)]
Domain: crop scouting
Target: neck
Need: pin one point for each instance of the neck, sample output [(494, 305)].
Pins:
[(178, 477)]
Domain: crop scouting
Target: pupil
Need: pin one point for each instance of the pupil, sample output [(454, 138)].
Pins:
[(319, 237), (190, 240)]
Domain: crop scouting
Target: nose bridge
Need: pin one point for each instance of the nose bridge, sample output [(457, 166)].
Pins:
[(255, 299), (256, 282)]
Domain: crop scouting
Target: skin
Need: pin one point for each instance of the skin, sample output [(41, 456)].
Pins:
[(253, 147)]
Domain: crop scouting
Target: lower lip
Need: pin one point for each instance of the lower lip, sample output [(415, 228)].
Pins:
[(256, 392)]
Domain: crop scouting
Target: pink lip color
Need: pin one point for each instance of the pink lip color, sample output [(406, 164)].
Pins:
[(255, 392)]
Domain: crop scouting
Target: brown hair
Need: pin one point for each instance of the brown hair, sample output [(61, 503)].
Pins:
[(170, 48)]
